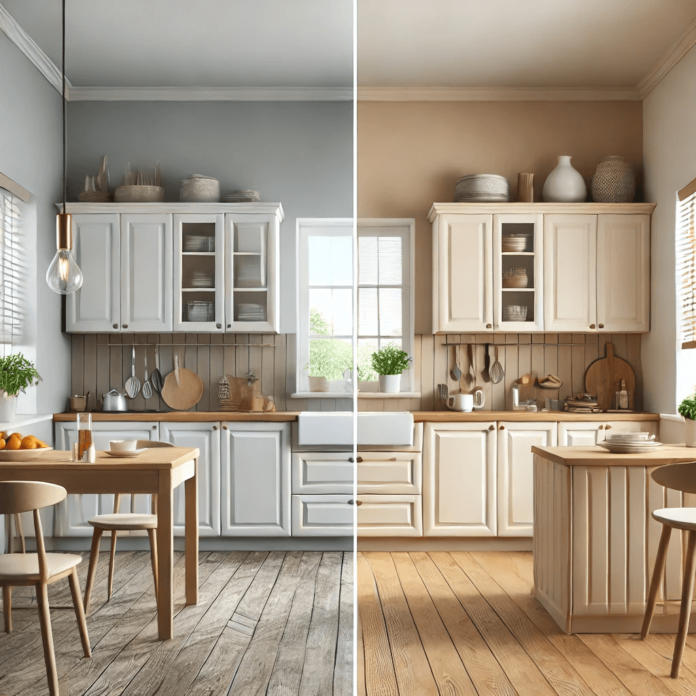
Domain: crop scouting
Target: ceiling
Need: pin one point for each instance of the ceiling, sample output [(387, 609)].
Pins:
[(516, 44), (206, 43)]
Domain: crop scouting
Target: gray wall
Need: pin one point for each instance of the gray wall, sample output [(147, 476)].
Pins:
[(297, 153), (30, 154)]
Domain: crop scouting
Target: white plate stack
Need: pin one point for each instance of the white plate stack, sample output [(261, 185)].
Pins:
[(630, 443), (482, 188), (248, 196), (250, 312)]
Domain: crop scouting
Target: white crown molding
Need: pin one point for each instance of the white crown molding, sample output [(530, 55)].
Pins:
[(684, 44), (210, 94), (507, 94), (31, 50)]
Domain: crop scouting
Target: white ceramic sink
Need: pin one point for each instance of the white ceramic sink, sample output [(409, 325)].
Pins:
[(330, 429)]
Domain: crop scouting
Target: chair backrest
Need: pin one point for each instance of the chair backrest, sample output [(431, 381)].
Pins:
[(25, 496), (141, 444), (678, 477), (151, 444)]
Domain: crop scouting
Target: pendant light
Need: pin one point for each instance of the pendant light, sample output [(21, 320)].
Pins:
[(64, 275)]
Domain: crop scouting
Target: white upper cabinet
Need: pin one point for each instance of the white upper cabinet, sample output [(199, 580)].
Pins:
[(146, 273), (97, 247), (570, 275), (462, 273), (252, 273), (623, 273)]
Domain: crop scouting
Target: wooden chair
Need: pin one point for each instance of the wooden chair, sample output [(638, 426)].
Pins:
[(678, 477), (39, 569), (123, 522)]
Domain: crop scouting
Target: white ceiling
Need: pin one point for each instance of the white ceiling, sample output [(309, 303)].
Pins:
[(202, 43), (515, 43)]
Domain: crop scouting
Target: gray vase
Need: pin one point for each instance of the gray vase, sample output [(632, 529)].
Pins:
[(614, 181)]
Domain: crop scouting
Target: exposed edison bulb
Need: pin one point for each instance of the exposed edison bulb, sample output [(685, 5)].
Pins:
[(64, 275)]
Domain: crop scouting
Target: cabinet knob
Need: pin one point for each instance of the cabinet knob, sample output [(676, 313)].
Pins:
[(224, 427), (215, 427), (125, 326), (229, 326), (492, 427), (592, 326), (115, 326), (607, 427), (154, 427), (601, 427), (502, 427), (219, 326), (601, 326), (359, 460), (489, 326), (358, 503)]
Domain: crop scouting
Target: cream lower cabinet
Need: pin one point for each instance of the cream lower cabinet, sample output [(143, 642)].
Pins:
[(206, 437), (255, 479), (390, 516), (583, 434), (515, 483), (459, 479)]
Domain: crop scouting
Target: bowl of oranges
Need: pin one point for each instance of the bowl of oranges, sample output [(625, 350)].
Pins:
[(18, 448)]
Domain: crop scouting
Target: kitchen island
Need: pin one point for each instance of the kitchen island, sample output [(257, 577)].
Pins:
[(595, 540)]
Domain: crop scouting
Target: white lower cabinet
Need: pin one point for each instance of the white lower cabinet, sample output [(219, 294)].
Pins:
[(390, 516), (322, 473), (73, 513), (206, 437), (255, 479), (459, 479), (322, 515), (516, 474)]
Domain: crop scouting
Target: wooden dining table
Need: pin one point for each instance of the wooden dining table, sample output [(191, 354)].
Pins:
[(156, 471)]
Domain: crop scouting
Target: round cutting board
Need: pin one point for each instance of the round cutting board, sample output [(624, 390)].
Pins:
[(184, 395), (603, 378)]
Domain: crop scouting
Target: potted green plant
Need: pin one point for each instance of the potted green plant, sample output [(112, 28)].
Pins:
[(687, 408), (389, 362), (16, 374)]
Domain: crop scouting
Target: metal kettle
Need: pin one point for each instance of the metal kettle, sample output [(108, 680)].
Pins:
[(114, 401)]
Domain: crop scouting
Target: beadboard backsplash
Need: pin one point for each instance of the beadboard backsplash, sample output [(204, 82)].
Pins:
[(101, 362)]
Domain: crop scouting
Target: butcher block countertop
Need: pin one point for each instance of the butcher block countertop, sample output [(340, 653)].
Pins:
[(527, 417), (186, 417), (598, 456)]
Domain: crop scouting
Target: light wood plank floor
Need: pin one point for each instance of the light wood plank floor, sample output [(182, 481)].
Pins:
[(268, 623), (465, 623)]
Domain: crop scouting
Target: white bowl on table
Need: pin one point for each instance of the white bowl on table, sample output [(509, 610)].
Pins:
[(123, 445)]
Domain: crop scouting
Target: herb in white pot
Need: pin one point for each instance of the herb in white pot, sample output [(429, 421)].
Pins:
[(389, 362), (16, 374), (687, 408)]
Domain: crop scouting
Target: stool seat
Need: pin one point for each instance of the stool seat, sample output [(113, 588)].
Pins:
[(126, 521), (678, 518)]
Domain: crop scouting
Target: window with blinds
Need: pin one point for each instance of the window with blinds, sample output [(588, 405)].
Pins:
[(12, 270), (686, 264)]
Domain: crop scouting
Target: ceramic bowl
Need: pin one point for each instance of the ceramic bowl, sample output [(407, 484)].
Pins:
[(123, 445)]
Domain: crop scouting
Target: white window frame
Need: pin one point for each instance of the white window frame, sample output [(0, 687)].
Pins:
[(385, 227), (306, 227), (13, 268)]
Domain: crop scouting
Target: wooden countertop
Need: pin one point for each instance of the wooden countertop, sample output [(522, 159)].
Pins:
[(186, 417), (598, 456), (527, 417)]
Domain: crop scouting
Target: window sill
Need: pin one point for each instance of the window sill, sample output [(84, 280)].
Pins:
[(349, 395)]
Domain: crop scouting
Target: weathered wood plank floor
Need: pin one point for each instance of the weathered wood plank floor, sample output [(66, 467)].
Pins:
[(268, 623), (465, 623)]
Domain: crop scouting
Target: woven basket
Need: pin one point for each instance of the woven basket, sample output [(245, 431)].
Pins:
[(199, 189), (614, 181), (515, 278), (139, 194)]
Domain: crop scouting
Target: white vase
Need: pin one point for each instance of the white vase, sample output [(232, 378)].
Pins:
[(390, 384), (689, 432), (8, 407), (564, 184)]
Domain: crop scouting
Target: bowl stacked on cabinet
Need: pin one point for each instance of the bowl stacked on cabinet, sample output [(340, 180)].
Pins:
[(482, 188)]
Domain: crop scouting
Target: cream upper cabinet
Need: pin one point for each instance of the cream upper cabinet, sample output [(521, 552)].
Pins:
[(462, 273), (570, 273), (459, 479), (623, 273)]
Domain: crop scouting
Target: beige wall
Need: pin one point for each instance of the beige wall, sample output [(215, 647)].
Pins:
[(411, 154)]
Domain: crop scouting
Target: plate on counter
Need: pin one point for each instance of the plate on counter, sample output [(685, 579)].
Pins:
[(125, 453), (636, 447), (22, 455)]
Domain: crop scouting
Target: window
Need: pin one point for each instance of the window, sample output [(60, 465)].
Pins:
[(12, 269), (385, 291), (686, 265), (325, 299)]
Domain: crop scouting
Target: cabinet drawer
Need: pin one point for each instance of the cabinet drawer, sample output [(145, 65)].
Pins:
[(390, 473), (390, 515), (322, 515), (322, 472)]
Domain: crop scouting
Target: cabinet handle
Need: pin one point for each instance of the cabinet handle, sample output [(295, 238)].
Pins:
[(502, 427), (592, 326), (154, 427), (224, 427), (219, 326), (215, 427), (601, 326), (607, 427), (358, 503), (601, 427), (125, 326), (489, 326), (229, 326), (115, 326), (359, 460), (492, 427)]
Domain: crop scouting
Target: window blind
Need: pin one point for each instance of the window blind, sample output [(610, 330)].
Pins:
[(12, 270)]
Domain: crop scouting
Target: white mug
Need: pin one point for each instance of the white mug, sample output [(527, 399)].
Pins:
[(466, 402)]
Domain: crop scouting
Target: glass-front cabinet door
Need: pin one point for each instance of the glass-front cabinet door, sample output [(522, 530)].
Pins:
[(518, 272), (251, 273), (199, 274)]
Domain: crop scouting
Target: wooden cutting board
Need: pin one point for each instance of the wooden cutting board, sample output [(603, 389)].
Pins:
[(603, 378), (186, 393)]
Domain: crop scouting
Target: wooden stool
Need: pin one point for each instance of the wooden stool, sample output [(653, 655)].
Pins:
[(678, 477), (39, 569)]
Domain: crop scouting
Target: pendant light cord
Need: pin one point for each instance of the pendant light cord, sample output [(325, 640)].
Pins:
[(65, 137)]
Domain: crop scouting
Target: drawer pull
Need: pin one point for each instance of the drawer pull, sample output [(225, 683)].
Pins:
[(359, 460), (358, 503), (607, 427)]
